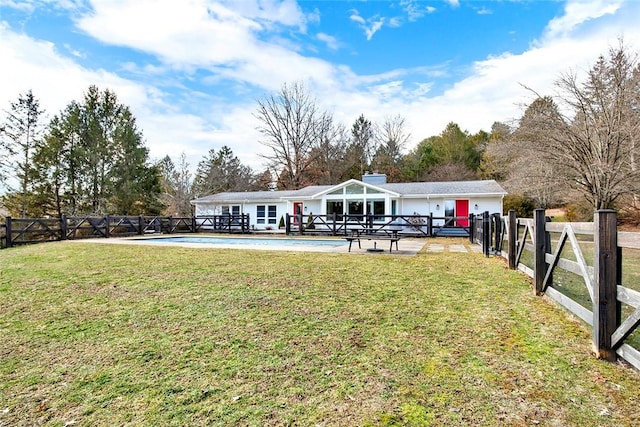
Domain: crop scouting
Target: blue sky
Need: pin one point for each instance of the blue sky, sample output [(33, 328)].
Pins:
[(192, 70)]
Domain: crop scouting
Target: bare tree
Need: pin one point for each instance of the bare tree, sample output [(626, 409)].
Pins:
[(292, 125), (391, 137), (591, 138), (176, 183), (450, 172), (497, 156), (330, 157), (528, 172)]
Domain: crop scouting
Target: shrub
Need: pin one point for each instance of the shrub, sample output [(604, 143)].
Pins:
[(523, 205), (310, 224), (579, 212)]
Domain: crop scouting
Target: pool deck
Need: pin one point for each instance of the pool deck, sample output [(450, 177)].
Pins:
[(408, 246)]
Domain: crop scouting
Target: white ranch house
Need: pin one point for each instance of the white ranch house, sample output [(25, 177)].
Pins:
[(370, 196)]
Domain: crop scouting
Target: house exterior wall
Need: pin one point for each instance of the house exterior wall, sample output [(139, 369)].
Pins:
[(251, 208), (420, 206), (436, 206), (354, 197)]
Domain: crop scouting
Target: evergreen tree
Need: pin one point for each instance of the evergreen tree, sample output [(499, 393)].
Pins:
[(222, 171), (21, 136), (93, 161)]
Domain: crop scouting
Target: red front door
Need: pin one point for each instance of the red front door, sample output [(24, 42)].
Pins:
[(462, 210)]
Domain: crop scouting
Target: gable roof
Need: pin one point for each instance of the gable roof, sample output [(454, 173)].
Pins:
[(403, 189), (446, 188), (244, 196), (316, 191)]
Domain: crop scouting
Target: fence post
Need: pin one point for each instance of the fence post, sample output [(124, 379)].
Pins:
[(472, 227), (497, 219), (300, 227), (430, 225), (512, 238), (63, 227), (9, 231), (287, 224), (334, 223), (539, 251), (107, 225), (486, 233), (605, 301)]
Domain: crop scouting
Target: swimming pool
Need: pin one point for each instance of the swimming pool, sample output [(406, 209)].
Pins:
[(246, 241), (271, 243)]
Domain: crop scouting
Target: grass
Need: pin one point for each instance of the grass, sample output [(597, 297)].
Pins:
[(124, 335)]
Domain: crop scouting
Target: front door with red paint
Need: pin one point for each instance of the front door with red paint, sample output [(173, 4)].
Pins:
[(462, 210)]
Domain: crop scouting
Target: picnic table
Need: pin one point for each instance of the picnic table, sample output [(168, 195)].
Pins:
[(356, 235)]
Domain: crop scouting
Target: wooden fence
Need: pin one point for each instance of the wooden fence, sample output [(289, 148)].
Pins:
[(22, 231), (578, 265), (409, 225)]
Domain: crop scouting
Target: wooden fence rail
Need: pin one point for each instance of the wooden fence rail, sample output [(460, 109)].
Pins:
[(413, 225), (611, 309), (22, 231)]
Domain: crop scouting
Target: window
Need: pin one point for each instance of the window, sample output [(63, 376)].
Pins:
[(335, 207), (273, 212), (354, 189), (376, 208), (233, 209), (449, 208), (260, 211), (266, 214), (356, 207)]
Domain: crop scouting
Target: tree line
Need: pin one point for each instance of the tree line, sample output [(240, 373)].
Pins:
[(578, 147)]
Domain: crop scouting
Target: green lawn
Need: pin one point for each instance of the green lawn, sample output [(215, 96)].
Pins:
[(95, 334)]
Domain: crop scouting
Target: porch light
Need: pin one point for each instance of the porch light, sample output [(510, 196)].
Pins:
[(437, 207), (475, 206)]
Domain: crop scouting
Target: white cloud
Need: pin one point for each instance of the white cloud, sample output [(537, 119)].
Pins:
[(578, 12), (270, 12), (355, 17), (165, 128), (415, 10), (331, 42), (239, 49), (373, 28), (206, 36), (23, 5), (370, 26)]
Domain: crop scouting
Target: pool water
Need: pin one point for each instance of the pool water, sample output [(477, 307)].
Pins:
[(265, 241)]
